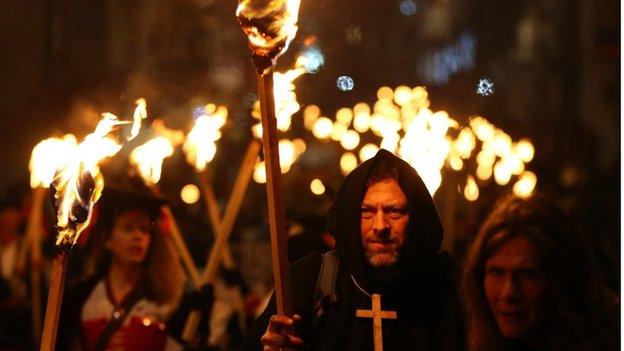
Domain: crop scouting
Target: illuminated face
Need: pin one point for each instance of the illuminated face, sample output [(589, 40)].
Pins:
[(130, 237), (383, 222), (515, 286)]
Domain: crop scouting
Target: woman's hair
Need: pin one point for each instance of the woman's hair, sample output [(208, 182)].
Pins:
[(163, 279), (579, 313)]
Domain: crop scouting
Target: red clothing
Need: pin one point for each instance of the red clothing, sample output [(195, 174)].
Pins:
[(143, 328)]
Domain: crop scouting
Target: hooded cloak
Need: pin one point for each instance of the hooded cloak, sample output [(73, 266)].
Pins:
[(422, 292)]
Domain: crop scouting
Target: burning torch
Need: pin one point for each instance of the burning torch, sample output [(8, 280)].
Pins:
[(270, 25)]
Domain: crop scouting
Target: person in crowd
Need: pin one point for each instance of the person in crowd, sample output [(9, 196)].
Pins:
[(388, 236), (530, 283), (15, 321), (134, 282), (12, 286)]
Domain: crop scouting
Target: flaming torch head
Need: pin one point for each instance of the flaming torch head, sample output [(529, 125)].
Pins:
[(270, 25), (73, 197), (78, 183)]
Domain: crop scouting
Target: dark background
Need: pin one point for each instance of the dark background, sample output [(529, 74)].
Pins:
[(555, 65)]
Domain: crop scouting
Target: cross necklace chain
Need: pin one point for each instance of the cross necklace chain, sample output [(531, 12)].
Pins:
[(376, 313)]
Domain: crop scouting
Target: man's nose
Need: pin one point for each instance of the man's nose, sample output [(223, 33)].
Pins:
[(380, 224)]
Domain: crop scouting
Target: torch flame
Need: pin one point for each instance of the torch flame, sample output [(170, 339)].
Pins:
[(47, 157), (286, 104), (148, 158), (200, 146), (270, 26), (140, 113), (78, 183), (401, 118)]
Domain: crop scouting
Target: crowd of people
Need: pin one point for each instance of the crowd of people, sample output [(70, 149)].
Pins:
[(528, 281)]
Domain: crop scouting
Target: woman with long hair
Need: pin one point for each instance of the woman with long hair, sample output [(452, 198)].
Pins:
[(134, 280), (531, 283)]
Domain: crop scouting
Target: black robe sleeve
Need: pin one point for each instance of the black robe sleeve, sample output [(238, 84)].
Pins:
[(303, 276)]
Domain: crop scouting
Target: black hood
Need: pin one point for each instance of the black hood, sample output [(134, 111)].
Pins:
[(424, 231)]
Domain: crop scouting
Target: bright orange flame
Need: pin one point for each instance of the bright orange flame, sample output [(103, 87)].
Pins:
[(140, 113), (270, 25), (149, 157), (47, 157), (401, 118), (79, 183), (200, 147), (175, 136), (289, 152)]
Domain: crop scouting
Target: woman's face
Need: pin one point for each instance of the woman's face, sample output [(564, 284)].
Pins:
[(130, 237), (515, 286)]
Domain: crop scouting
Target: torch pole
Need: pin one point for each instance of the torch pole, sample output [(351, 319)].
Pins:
[(183, 251), (281, 274), (223, 233), (212, 209), (55, 298)]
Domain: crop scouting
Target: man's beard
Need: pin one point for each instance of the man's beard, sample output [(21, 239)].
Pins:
[(385, 258)]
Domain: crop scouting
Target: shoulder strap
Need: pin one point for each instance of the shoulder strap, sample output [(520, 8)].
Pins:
[(119, 316), (325, 289)]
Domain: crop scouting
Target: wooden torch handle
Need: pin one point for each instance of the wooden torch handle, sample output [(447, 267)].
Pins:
[(281, 274), (55, 298)]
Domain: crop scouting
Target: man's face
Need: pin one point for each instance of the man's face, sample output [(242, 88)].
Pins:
[(383, 222), (514, 286)]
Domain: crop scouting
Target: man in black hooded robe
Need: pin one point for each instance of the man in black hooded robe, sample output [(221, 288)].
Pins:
[(388, 235)]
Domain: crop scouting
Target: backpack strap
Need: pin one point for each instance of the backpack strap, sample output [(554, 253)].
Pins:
[(119, 316), (325, 289)]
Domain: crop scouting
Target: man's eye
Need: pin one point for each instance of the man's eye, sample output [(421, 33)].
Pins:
[(396, 212), (367, 212)]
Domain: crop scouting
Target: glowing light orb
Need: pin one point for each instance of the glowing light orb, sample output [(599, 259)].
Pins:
[(350, 140), (338, 131), (345, 83), (524, 150), (485, 87), (322, 127), (408, 7), (310, 114), (317, 187), (190, 194), (259, 174), (402, 95), (525, 185), (368, 151), (471, 191), (348, 162), (362, 122), (344, 116), (385, 93)]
